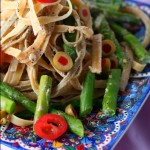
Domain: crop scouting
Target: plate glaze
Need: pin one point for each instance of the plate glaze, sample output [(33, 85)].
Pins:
[(101, 133)]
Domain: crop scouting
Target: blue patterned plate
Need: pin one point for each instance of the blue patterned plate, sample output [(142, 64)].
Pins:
[(100, 133)]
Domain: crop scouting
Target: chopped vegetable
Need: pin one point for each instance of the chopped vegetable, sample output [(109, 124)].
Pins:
[(4, 58), (104, 28), (43, 100), (50, 126), (108, 47), (139, 51), (86, 96), (7, 104), (12, 93), (75, 125), (113, 61), (70, 50), (62, 61), (70, 110), (106, 65), (110, 96), (46, 1)]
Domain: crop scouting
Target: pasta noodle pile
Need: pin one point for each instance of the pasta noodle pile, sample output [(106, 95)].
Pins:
[(32, 35)]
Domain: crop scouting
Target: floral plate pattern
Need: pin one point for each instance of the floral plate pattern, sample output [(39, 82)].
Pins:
[(101, 133)]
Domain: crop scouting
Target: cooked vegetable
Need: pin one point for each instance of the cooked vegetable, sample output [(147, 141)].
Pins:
[(7, 104), (46, 1), (62, 61), (43, 100), (117, 16), (138, 66), (75, 125), (104, 28), (113, 61), (86, 96), (4, 58), (70, 50), (20, 122), (110, 96), (138, 50), (17, 96), (50, 126), (70, 110), (106, 65), (144, 18), (108, 47)]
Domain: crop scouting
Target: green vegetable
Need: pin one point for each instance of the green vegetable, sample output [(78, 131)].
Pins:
[(104, 28), (70, 50), (12, 93), (7, 104), (86, 97), (139, 51), (71, 37), (43, 97), (75, 125), (111, 92)]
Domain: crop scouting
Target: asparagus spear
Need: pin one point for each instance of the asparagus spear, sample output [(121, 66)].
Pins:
[(111, 92), (7, 104), (43, 97), (139, 51), (104, 28), (104, 4), (12, 93), (75, 125), (71, 37), (86, 97)]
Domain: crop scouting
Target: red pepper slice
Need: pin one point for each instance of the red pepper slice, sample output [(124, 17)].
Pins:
[(50, 126), (4, 58), (46, 1)]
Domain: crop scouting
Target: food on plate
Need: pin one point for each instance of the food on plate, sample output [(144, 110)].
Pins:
[(62, 58)]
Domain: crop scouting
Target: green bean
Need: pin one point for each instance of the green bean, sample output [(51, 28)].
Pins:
[(86, 96), (111, 92), (75, 125), (17, 96), (43, 97), (139, 51), (104, 28), (7, 104)]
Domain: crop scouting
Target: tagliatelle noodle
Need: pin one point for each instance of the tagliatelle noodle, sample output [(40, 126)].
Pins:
[(22, 37), (43, 63), (8, 24), (24, 85), (48, 19), (76, 84), (6, 14), (6, 5), (15, 32), (83, 29), (33, 74), (145, 19), (96, 54)]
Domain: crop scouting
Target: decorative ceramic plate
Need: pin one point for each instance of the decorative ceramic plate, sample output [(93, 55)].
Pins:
[(101, 132)]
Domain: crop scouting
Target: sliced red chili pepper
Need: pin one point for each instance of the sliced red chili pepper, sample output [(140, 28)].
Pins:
[(50, 126), (46, 1), (4, 58)]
